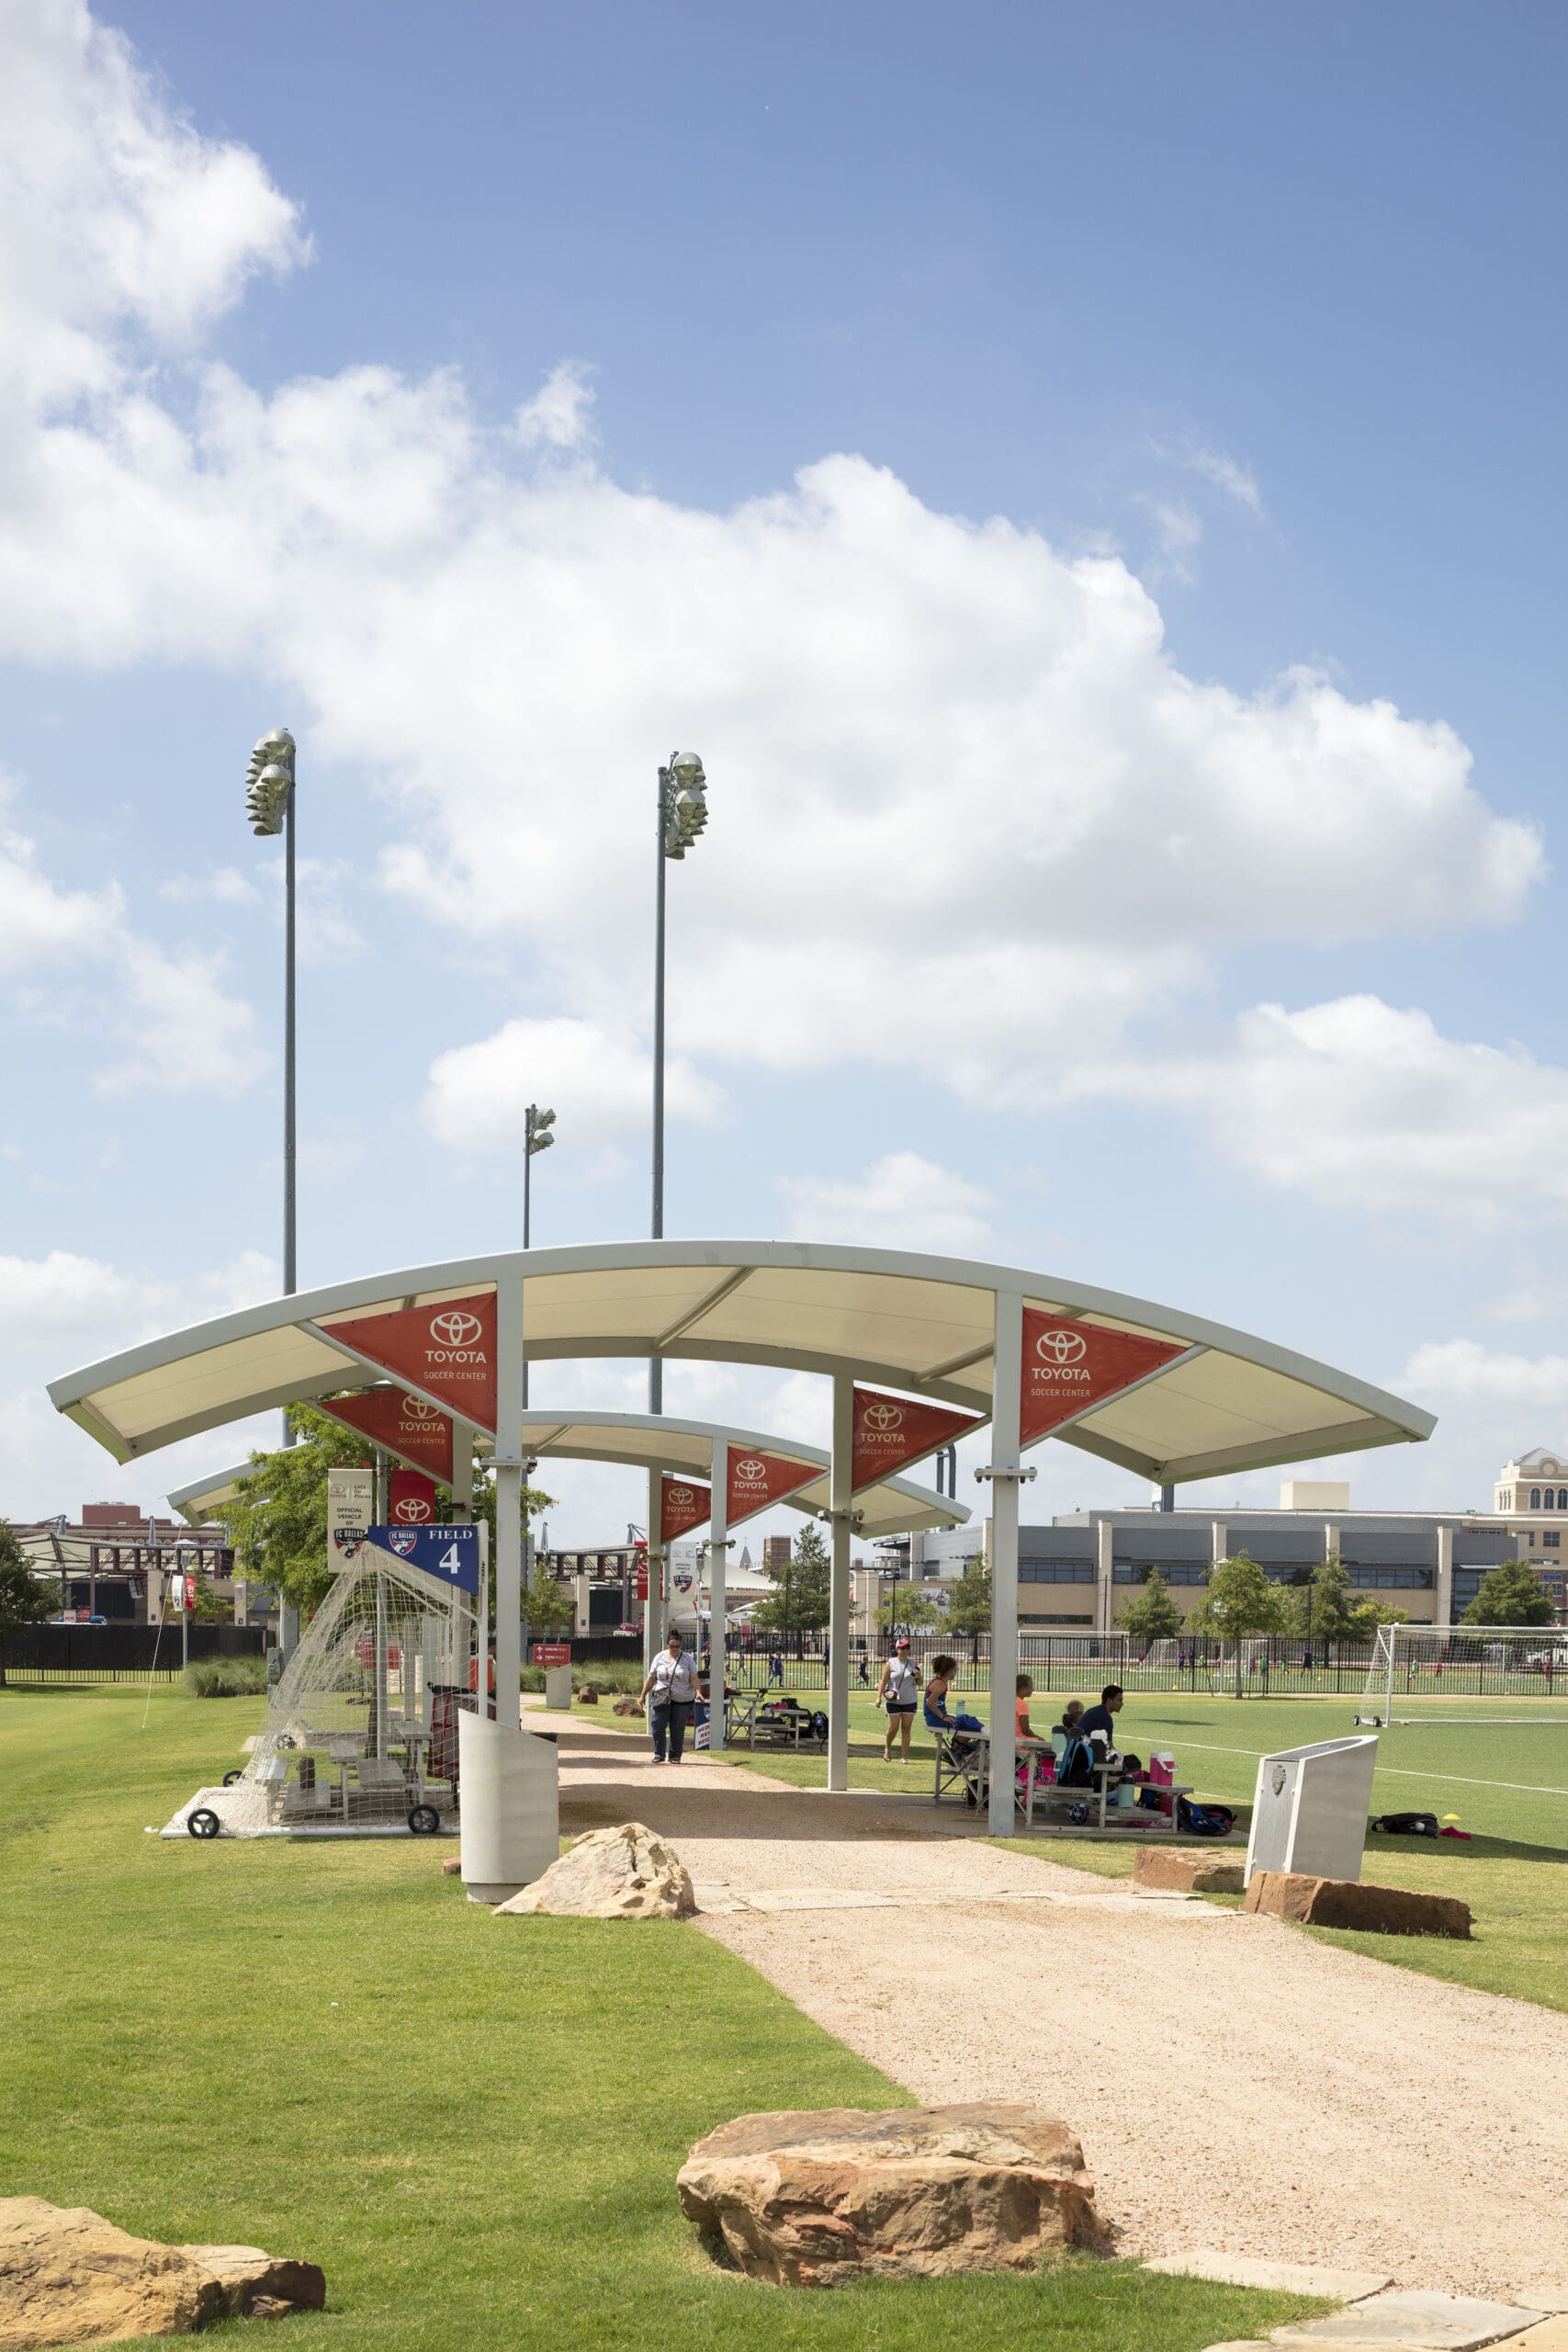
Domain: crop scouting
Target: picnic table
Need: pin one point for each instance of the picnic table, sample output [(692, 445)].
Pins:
[(963, 1768)]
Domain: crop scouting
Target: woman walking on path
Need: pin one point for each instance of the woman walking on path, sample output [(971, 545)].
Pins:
[(899, 1692), (672, 1678)]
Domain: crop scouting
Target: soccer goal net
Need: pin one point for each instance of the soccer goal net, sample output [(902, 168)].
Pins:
[(361, 1731), (1473, 1674)]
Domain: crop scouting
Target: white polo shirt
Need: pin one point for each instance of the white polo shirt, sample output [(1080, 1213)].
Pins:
[(674, 1678)]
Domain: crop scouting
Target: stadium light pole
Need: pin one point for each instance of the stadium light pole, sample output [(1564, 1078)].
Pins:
[(682, 813), (537, 1137), (269, 803)]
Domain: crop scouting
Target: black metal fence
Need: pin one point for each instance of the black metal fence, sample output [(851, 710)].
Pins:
[(41, 1656), (1079, 1665)]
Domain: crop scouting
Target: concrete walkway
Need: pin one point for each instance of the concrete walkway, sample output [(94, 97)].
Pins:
[(1237, 2085)]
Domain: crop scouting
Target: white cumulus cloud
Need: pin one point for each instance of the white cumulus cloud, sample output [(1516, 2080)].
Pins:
[(1363, 1105), (901, 1202), (600, 1084)]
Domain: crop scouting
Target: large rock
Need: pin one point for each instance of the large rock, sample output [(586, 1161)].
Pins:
[(627, 1705), (621, 1873), (1181, 1870), (1350, 1903), (816, 2199), (267, 2284), (69, 2277)]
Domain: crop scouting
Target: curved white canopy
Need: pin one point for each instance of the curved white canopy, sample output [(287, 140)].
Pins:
[(926, 1325), (660, 1442)]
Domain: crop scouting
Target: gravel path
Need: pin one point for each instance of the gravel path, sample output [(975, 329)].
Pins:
[(1237, 2085)]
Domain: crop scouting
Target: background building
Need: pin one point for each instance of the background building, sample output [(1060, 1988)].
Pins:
[(114, 1562)]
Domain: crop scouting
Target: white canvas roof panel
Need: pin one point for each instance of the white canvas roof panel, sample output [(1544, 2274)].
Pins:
[(923, 1324)]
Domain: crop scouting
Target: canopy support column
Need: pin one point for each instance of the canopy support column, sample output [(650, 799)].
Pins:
[(718, 1599), (655, 1567), (1005, 1476), (841, 1497), (509, 1467)]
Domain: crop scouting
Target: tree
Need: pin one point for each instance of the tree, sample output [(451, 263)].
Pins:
[(1238, 1600), (969, 1609), (545, 1602), (1153, 1616), (1511, 1595), (906, 1610), (23, 1600), (1322, 1608), (799, 1602), (278, 1519)]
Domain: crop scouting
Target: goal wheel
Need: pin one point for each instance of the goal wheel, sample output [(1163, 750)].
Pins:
[(237, 1774), (423, 1820), (204, 1821)]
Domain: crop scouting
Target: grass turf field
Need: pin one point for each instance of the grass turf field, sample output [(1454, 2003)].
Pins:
[(474, 2125), (1509, 1784)]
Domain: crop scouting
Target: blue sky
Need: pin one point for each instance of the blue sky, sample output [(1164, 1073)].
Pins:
[(1089, 483)]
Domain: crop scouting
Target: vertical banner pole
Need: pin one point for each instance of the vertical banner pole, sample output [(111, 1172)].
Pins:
[(650, 1606), (509, 1345), (718, 1530), (840, 1498), (1005, 1456)]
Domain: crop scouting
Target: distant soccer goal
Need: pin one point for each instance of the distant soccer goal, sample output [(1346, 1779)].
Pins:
[(1472, 1673)]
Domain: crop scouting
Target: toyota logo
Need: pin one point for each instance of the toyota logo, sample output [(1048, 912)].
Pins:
[(1061, 1347), (680, 1494), (752, 1472), (412, 1507), (456, 1329), (416, 1409), (884, 1417)]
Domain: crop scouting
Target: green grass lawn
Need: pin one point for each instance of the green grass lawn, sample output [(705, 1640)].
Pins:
[(473, 2124), (1508, 1783)]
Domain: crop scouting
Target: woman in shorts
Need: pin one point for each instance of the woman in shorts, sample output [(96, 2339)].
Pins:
[(899, 1692)]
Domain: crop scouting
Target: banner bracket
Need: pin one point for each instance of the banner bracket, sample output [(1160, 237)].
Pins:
[(995, 1470)]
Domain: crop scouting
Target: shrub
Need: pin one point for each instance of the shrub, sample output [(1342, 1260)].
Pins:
[(226, 1677)]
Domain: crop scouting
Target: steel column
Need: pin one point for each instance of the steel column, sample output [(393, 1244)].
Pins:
[(509, 1345), (1005, 1457), (718, 1596), (841, 1499)]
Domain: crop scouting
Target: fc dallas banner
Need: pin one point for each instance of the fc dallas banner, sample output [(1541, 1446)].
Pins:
[(1069, 1365), (403, 1424), (449, 1350), (757, 1479), (890, 1430), (683, 1504)]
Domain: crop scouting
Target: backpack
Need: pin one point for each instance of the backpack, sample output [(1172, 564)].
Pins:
[(1075, 1770), (1406, 1824), (1203, 1820)]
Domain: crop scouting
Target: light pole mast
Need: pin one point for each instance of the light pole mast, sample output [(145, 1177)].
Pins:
[(269, 803), (682, 813), (537, 1137)]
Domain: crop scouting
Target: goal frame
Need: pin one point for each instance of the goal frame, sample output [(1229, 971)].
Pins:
[(1439, 1640)]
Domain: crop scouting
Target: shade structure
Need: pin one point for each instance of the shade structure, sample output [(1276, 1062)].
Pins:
[(1225, 1403), (659, 1442)]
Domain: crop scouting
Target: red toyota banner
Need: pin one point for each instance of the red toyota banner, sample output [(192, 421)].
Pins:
[(410, 1499), (1069, 1365), (449, 1350), (892, 1431), (757, 1479), (683, 1504), (403, 1424)]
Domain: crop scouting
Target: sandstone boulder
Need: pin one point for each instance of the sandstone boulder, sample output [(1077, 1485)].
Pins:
[(817, 2199), (625, 1873), (69, 2277), (1349, 1903), (588, 1696), (627, 1705), (451, 1866), (258, 2285), (1180, 1870)]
